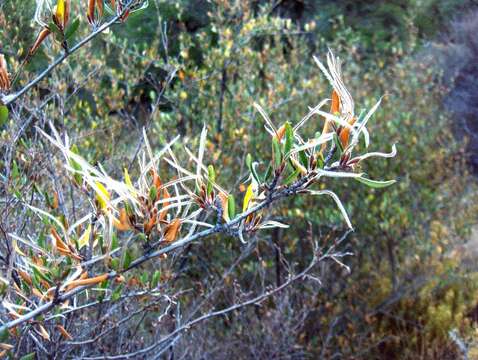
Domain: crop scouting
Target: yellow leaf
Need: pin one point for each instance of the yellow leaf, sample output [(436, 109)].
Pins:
[(60, 11), (127, 179), (247, 198), (17, 249), (44, 334), (85, 238), (102, 196)]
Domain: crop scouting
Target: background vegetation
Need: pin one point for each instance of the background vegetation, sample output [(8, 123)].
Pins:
[(412, 289)]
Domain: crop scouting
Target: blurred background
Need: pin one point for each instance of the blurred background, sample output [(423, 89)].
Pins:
[(412, 292)]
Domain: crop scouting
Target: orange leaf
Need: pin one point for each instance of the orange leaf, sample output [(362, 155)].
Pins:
[(41, 36), (88, 281), (90, 15), (345, 133), (335, 105), (172, 230), (64, 333), (25, 276), (280, 133), (99, 3), (163, 213)]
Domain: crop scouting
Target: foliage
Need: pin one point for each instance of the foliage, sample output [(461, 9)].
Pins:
[(178, 66)]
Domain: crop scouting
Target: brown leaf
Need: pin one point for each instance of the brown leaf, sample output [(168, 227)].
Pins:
[(40, 38), (90, 14), (122, 223), (64, 333), (4, 78), (172, 230), (163, 213)]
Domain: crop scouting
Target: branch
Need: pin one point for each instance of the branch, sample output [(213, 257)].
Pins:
[(219, 228), (8, 99)]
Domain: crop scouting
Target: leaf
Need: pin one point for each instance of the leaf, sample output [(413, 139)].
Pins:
[(231, 206), (376, 184), (155, 279), (338, 144), (56, 31), (127, 179), (115, 296), (303, 159), (153, 194), (3, 115), (276, 153), (172, 230), (70, 32), (337, 201), (102, 195), (44, 334), (30, 356), (60, 11), (64, 333), (291, 177), (40, 38), (289, 138), (249, 161), (211, 179), (273, 224), (247, 198), (127, 258), (85, 238), (87, 281)]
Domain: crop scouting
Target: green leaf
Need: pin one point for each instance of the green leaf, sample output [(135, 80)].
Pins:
[(289, 138), (249, 161), (114, 242), (153, 193), (127, 258), (211, 179), (30, 356), (276, 153), (303, 159), (4, 335), (117, 293), (231, 206), (143, 278), (291, 177), (338, 143), (56, 31), (3, 115), (268, 173), (72, 28), (375, 183), (251, 168), (115, 264), (155, 279)]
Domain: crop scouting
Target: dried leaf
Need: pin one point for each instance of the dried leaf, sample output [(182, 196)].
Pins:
[(40, 38), (64, 333), (44, 334), (4, 78), (87, 281), (172, 230)]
